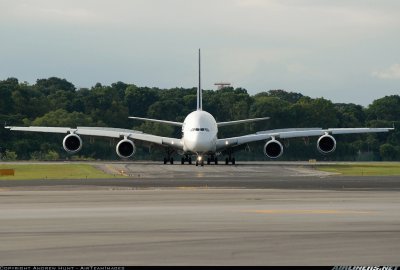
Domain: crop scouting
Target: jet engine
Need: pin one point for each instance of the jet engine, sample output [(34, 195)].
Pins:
[(273, 149), (72, 143), (326, 144), (125, 148)]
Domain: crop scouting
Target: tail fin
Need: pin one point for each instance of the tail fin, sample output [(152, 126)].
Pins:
[(199, 91)]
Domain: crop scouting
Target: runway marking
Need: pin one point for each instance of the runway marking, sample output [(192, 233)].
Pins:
[(192, 188), (308, 211)]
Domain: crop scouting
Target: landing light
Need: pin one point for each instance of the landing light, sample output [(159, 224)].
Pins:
[(226, 142)]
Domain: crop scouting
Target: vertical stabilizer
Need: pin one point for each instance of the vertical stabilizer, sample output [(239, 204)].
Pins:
[(199, 91)]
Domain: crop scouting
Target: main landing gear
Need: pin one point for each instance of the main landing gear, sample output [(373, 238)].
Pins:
[(169, 157), (170, 160), (187, 159), (231, 160)]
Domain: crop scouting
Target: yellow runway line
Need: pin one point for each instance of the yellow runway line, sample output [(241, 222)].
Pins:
[(307, 211)]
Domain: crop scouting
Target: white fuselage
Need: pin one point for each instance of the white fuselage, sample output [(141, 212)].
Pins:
[(199, 133)]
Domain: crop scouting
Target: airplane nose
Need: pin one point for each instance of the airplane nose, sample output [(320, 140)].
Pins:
[(198, 144)]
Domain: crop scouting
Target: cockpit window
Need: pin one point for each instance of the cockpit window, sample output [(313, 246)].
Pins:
[(200, 129)]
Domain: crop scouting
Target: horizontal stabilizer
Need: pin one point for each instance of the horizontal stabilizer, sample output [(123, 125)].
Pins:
[(179, 124), (229, 123)]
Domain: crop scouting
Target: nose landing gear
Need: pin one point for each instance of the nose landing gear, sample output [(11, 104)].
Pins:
[(200, 161)]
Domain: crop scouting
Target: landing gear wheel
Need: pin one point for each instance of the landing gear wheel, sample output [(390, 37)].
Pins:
[(216, 161), (182, 160), (202, 163), (233, 161), (197, 163), (190, 160), (171, 161), (226, 161), (165, 160), (208, 161)]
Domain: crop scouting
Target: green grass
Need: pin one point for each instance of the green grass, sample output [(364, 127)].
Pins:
[(363, 169), (54, 171)]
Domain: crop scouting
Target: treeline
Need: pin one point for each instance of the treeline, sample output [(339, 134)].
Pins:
[(57, 102)]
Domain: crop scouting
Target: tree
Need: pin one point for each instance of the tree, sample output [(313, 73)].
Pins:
[(54, 84), (9, 156), (6, 89), (56, 102), (388, 151), (386, 108), (62, 118), (139, 100)]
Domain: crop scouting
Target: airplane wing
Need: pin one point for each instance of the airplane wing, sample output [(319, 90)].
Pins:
[(107, 133), (179, 124), (226, 143), (221, 124)]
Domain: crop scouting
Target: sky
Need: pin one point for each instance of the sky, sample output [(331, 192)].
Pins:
[(345, 50)]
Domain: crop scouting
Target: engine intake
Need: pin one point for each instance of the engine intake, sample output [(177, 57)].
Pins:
[(326, 144), (125, 148), (72, 143), (273, 149)]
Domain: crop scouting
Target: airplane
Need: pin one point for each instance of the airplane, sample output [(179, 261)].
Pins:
[(199, 137)]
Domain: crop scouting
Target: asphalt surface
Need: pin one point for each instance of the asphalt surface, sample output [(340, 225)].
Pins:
[(199, 227), (251, 214), (307, 183)]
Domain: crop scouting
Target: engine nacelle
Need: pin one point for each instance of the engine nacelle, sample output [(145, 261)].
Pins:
[(125, 148), (326, 144), (72, 143), (273, 149)]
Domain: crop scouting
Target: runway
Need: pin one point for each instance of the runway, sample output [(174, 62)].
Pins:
[(278, 215), (199, 227)]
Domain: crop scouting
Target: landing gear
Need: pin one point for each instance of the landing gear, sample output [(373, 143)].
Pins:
[(212, 159), (231, 160), (187, 159), (170, 160), (200, 161), (169, 157)]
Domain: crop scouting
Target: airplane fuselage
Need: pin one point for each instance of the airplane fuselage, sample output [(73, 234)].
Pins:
[(199, 133)]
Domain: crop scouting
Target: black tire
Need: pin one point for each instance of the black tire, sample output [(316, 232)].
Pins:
[(197, 163), (226, 161), (165, 160), (171, 161), (216, 161), (208, 161), (182, 160), (233, 161), (190, 161)]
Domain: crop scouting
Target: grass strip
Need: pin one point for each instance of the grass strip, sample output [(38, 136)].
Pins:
[(54, 171), (362, 169)]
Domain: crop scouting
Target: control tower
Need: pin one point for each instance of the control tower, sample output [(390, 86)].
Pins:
[(221, 85)]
